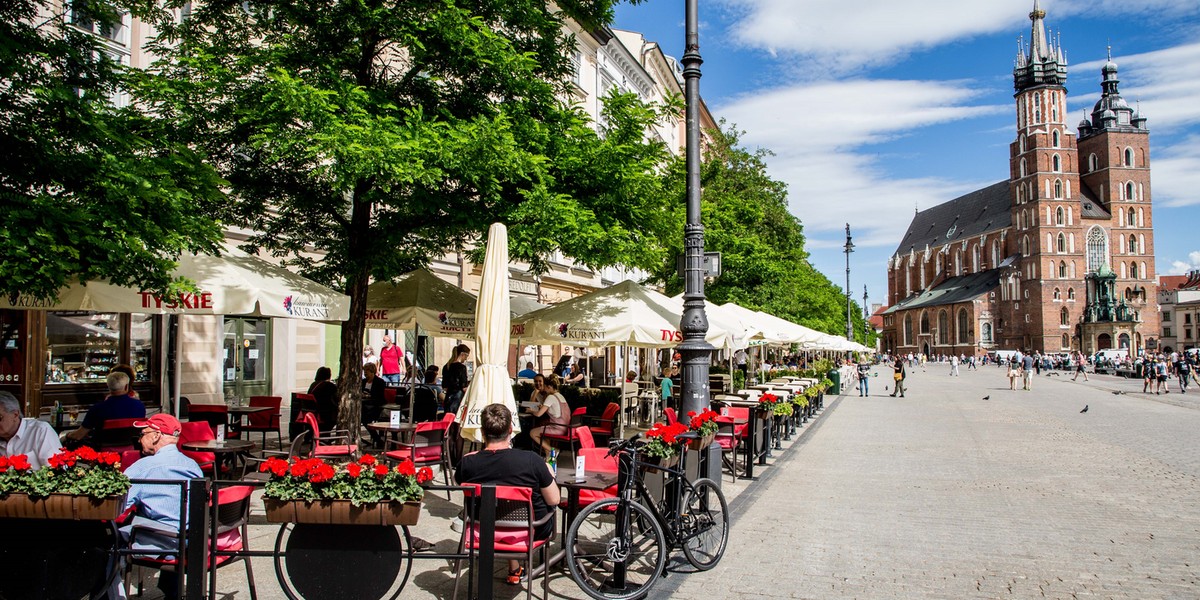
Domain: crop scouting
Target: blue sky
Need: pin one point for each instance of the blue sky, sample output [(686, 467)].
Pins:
[(876, 107)]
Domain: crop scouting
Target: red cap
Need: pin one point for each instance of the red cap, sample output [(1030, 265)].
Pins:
[(162, 423)]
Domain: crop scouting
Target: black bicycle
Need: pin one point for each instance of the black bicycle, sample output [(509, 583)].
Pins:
[(617, 547)]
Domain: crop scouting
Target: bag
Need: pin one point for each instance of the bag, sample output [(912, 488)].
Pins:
[(897, 376)]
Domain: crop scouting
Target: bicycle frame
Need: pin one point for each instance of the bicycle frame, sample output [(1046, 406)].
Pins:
[(676, 483)]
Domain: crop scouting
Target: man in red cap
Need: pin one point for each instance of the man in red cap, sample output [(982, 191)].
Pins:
[(156, 515)]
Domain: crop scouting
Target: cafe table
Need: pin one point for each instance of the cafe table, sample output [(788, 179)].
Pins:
[(592, 480), (227, 449), (399, 432), (236, 413)]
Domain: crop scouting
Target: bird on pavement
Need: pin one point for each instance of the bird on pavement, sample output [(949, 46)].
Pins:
[(1118, 393), (1084, 409), (987, 397)]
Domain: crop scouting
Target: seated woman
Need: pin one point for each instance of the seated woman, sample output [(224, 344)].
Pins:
[(324, 392), (552, 412), (372, 400)]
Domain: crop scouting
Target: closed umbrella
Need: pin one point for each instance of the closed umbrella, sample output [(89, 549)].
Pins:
[(490, 384)]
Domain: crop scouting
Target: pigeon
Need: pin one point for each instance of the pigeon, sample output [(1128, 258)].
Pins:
[(1084, 409), (1118, 393), (987, 397)]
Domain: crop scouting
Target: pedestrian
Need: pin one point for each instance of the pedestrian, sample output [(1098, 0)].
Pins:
[(1160, 373), (954, 366), (455, 379), (898, 376), (971, 366), (1014, 372), (1027, 365), (390, 359), (1184, 372), (1080, 366), (864, 376), (1148, 375)]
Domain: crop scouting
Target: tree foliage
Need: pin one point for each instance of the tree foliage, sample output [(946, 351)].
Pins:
[(746, 218), (385, 133), (89, 190)]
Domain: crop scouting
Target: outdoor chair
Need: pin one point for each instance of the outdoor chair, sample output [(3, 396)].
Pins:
[(730, 435), (670, 414), (334, 444), (425, 404), (429, 446), (568, 435), (198, 431), (266, 421), (604, 427), (301, 404), (595, 459), (213, 414), (515, 528), (117, 435)]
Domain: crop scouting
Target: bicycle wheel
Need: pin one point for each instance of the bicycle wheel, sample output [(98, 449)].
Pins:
[(705, 524), (597, 548)]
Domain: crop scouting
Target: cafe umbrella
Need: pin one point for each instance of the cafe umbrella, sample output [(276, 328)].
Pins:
[(490, 384)]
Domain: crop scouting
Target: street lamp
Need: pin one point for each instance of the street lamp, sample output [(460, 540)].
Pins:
[(849, 322), (695, 350)]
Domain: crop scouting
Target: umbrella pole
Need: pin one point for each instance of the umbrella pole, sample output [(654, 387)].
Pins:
[(177, 385)]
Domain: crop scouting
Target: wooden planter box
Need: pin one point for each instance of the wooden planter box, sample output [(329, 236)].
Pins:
[(342, 512), (654, 463), (701, 443), (61, 506)]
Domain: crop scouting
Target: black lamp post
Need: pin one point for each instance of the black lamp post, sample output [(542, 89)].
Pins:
[(849, 321), (695, 351)]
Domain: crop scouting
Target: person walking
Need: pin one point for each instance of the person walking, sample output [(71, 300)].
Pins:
[(1160, 373), (954, 366), (391, 358), (1014, 373), (1027, 365), (1080, 366), (1184, 371), (1148, 375), (898, 375), (864, 377)]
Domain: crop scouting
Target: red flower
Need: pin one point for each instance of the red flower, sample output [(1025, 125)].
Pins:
[(86, 453), (299, 469), (367, 459), (275, 466), (424, 475), (354, 469), (321, 473), (19, 462), (406, 468), (111, 459), (381, 470)]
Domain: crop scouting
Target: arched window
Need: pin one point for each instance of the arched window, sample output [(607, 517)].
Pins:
[(1141, 218), (1066, 342), (975, 259), (1141, 243), (1070, 293), (1025, 245), (1054, 138), (1037, 107), (1057, 294), (1062, 269), (1131, 220), (1093, 162), (1022, 167), (908, 332), (995, 254), (963, 327), (1133, 270), (1129, 191), (943, 328), (987, 333), (1133, 247), (1056, 161), (1054, 107), (1062, 243), (1058, 189), (957, 263), (1129, 157), (1064, 317), (1097, 249), (1060, 216), (1021, 140), (938, 263)]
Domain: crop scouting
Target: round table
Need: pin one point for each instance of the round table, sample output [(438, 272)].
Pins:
[(225, 450)]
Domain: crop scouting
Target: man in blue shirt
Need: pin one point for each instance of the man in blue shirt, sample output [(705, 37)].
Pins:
[(156, 506), (1027, 363), (118, 405), (527, 372)]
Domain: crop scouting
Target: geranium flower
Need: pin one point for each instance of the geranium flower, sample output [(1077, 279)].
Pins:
[(381, 470), (367, 459), (321, 473), (354, 469), (19, 462), (406, 468), (424, 475)]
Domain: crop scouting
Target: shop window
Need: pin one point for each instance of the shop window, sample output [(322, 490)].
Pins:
[(82, 347)]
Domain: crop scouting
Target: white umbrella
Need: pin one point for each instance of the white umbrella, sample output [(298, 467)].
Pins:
[(490, 384), (624, 314), (235, 283), (740, 332), (772, 329), (421, 298)]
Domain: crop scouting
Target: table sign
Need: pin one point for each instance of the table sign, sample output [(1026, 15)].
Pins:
[(395, 418), (220, 433), (724, 411), (579, 470)]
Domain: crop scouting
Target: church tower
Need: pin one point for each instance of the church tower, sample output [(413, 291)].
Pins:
[(1045, 202)]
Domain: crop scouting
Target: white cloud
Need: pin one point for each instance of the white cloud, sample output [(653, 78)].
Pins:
[(832, 175), (1175, 174), (1169, 98), (844, 36), (1179, 267)]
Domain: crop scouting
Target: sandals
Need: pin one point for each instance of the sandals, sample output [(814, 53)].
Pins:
[(515, 577)]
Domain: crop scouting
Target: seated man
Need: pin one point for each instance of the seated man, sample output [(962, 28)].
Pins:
[(118, 405), (499, 464), (527, 372), (18, 435), (157, 506)]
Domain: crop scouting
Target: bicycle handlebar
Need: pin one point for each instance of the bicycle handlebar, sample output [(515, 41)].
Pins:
[(621, 446)]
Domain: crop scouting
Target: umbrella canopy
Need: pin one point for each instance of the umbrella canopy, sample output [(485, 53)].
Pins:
[(624, 314), (741, 333), (235, 283), (490, 385), (772, 329), (521, 305), (421, 298)]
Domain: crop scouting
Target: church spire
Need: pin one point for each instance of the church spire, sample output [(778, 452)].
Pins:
[(1038, 44), (1044, 63)]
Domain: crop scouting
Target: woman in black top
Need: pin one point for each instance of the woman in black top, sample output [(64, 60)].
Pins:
[(325, 393)]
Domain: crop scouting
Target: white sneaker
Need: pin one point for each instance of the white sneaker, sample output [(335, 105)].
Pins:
[(456, 525)]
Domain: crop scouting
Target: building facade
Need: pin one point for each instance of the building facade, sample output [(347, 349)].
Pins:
[(1058, 257)]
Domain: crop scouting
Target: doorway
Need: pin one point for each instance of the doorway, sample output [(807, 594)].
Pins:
[(246, 352)]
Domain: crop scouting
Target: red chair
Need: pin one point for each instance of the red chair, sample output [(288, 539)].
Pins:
[(515, 533), (266, 421), (198, 431), (595, 459), (117, 435), (128, 457), (585, 439), (604, 427), (429, 446), (326, 446), (569, 435), (301, 403), (730, 435), (228, 534), (671, 418), (213, 414)]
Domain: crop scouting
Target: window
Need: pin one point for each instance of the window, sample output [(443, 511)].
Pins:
[(1133, 270), (1062, 270), (1131, 218), (1133, 245), (943, 328), (924, 322), (577, 68), (1056, 162), (975, 259), (1129, 157), (1066, 341), (1071, 294), (1057, 294), (1054, 107), (1097, 249), (1022, 167), (908, 330), (1054, 138), (1187, 318), (1129, 191), (962, 326), (1166, 332), (83, 347), (1062, 243), (1037, 107), (1064, 317), (1093, 162), (1060, 216), (1058, 188)]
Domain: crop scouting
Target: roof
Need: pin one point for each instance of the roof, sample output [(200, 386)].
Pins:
[(1091, 208), (1171, 282), (971, 214), (876, 318), (956, 289)]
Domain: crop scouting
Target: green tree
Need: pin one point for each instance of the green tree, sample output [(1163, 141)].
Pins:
[(381, 134), (89, 190), (746, 218)]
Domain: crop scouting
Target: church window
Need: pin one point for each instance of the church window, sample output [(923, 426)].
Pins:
[(1070, 240), (1129, 157), (1062, 269), (1037, 108), (1022, 167), (1025, 245), (962, 326), (1068, 186), (957, 263), (1093, 162), (975, 259), (1071, 270), (1071, 294), (1141, 218), (924, 322), (1060, 216), (1133, 270), (908, 330), (1133, 246), (938, 262), (1097, 249), (1020, 195), (1058, 189), (1021, 142), (1066, 341), (995, 254), (943, 328), (1064, 316), (1057, 294), (1145, 273), (1054, 108), (1062, 244), (1054, 137), (1132, 220), (908, 279), (1129, 191), (1057, 163), (1141, 243), (1124, 273)]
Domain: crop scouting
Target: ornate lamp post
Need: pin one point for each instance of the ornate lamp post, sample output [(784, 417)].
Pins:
[(849, 322), (696, 352)]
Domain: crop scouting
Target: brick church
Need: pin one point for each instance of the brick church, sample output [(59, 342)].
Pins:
[(1058, 257)]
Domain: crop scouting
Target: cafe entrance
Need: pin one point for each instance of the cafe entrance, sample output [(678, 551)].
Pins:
[(246, 352)]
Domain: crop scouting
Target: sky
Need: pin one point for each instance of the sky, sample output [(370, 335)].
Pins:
[(876, 108)]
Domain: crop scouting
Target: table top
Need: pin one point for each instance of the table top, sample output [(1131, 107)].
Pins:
[(733, 420), (246, 410), (387, 426), (592, 480), (215, 446)]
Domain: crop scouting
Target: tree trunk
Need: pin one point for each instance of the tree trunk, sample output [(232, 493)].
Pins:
[(350, 373)]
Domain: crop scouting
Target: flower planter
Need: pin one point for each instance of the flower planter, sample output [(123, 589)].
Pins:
[(655, 463), (341, 512), (702, 442), (61, 506)]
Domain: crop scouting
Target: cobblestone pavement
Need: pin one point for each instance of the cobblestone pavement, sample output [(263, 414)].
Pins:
[(943, 494)]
